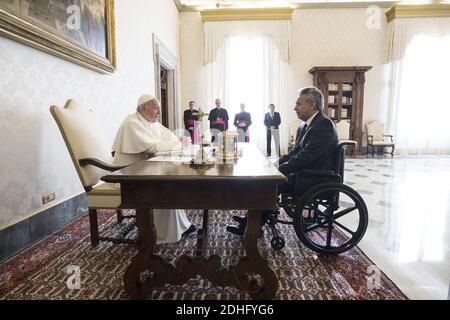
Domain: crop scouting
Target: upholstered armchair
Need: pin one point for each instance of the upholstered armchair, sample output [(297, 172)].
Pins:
[(376, 138), (343, 131), (293, 126), (89, 149)]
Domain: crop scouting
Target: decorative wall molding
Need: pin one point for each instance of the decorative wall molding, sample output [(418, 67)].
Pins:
[(162, 56), (247, 14), (307, 5), (417, 11), (178, 5)]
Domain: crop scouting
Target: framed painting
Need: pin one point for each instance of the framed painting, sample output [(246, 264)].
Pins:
[(81, 31)]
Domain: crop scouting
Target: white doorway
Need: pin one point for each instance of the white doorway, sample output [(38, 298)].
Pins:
[(166, 84)]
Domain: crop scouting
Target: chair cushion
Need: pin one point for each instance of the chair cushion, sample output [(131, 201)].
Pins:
[(382, 143), (104, 195), (84, 137)]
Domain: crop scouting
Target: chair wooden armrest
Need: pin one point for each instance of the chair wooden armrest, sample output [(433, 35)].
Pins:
[(390, 136), (369, 139), (99, 164)]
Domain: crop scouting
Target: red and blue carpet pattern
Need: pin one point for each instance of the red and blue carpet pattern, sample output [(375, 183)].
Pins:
[(40, 272)]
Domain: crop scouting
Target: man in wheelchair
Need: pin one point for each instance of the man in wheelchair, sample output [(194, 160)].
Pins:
[(315, 159)]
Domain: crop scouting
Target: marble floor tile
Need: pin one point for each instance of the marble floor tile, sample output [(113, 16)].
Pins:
[(408, 236)]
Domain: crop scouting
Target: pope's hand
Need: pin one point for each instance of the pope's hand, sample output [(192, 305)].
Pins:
[(184, 141)]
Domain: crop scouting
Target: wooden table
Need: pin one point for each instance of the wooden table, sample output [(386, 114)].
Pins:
[(248, 183)]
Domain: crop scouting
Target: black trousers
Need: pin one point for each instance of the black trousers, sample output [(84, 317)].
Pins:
[(276, 137), (284, 187)]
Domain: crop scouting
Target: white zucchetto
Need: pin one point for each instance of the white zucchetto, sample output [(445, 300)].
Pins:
[(145, 98)]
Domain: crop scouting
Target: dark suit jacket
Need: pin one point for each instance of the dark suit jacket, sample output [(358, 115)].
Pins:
[(268, 121), (314, 150), (244, 116)]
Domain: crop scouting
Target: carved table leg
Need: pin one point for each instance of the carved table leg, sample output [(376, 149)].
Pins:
[(146, 246), (253, 263), (202, 236), (186, 267)]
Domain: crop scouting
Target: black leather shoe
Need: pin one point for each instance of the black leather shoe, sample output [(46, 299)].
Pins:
[(236, 230), (191, 229), (239, 230), (240, 220)]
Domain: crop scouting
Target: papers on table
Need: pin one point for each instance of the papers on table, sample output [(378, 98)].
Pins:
[(171, 159), (185, 155)]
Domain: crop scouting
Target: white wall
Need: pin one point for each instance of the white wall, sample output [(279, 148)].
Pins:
[(320, 37), (193, 73), (340, 37), (34, 160)]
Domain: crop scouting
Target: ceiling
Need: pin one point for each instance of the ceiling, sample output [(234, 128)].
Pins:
[(211, 4)]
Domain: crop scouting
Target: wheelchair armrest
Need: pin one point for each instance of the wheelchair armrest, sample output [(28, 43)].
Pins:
[(316, 172), (318, 175), (308, 178), (345, 143)]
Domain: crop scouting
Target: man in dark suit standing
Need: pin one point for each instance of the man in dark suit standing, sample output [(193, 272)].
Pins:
[(272, 121), (218, 120), (242, 121), (189, 121), (314, 147)]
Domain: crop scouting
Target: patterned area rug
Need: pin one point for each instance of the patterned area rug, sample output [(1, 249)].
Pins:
[(41, 272)]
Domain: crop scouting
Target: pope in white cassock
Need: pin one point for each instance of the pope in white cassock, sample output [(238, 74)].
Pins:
[(140, 135)]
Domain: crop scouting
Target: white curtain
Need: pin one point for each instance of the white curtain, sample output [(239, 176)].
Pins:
[(401, 32), (228, 78), (419, 108), (277, 87), (216, 32)]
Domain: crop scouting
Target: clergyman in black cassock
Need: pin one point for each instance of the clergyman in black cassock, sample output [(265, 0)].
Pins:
[(242, 121), (189, 121), (218, 120)]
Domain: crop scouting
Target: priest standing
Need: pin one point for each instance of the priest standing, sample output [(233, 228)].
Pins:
[(190, 122), (218, 120), (139, 136), (242, 121)]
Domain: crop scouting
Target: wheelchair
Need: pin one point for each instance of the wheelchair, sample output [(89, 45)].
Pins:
[(328, 216)]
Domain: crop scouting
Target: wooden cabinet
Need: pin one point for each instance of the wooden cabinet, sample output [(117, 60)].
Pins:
[(343, 90)]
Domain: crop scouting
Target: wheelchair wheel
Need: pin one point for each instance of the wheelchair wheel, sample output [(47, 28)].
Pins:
[(277, 243), (330, 218)]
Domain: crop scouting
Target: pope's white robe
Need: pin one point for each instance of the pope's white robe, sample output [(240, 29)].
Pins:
[(136, 139)]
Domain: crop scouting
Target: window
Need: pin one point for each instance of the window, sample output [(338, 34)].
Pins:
[(423, 117), (246, 79)]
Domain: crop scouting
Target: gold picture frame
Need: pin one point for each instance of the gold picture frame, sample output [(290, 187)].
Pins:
[(90, 40)]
